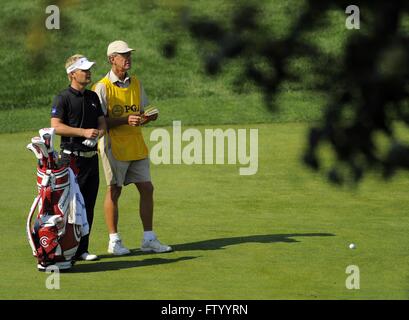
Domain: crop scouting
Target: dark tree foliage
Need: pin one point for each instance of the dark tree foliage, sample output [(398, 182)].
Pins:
[(367, 86)]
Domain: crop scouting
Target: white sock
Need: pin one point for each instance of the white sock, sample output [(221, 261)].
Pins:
[(149, 235), (114, 237)]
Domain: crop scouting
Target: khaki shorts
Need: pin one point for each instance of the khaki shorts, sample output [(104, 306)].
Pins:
[(123, 172)]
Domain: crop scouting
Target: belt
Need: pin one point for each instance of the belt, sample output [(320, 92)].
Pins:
[(85, 154)]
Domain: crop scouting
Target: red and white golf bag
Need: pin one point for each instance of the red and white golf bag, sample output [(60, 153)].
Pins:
[(61, 218)]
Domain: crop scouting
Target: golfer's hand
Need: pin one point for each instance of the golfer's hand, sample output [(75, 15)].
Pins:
[(91, 133), (90, 142), (134, 120)]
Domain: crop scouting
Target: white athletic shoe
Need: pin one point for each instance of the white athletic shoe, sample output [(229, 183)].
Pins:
[(154, 246), (117, 249), (88, 257)]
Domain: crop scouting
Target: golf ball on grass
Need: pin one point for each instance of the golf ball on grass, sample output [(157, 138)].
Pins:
[(352, 246)]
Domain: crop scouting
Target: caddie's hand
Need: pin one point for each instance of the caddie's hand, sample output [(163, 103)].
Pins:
[(90, 133), (144, 120), (134, 120)]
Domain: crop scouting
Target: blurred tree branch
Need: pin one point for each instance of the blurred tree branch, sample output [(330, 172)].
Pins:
[(366, 85)]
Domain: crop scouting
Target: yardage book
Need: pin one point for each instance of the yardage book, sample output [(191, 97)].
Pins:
[(150, 111)]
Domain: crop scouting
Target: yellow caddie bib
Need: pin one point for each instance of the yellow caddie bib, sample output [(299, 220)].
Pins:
[(127, 142)]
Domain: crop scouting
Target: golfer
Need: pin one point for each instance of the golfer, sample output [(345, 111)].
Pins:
[(123, 151), (77, 116)]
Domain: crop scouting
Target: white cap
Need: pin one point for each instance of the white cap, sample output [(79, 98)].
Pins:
[(118, 46), (81, 63)]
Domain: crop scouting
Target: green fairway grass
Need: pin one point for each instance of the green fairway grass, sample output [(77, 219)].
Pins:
[(293, 107), (282, 233)]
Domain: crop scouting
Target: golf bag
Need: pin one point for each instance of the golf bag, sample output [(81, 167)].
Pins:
[(61, 219)]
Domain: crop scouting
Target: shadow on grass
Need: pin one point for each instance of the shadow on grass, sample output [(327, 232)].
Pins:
[(221, 243), (99, 266), (212, 244)]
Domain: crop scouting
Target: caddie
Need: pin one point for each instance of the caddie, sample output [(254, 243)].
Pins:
[(123, 151)]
